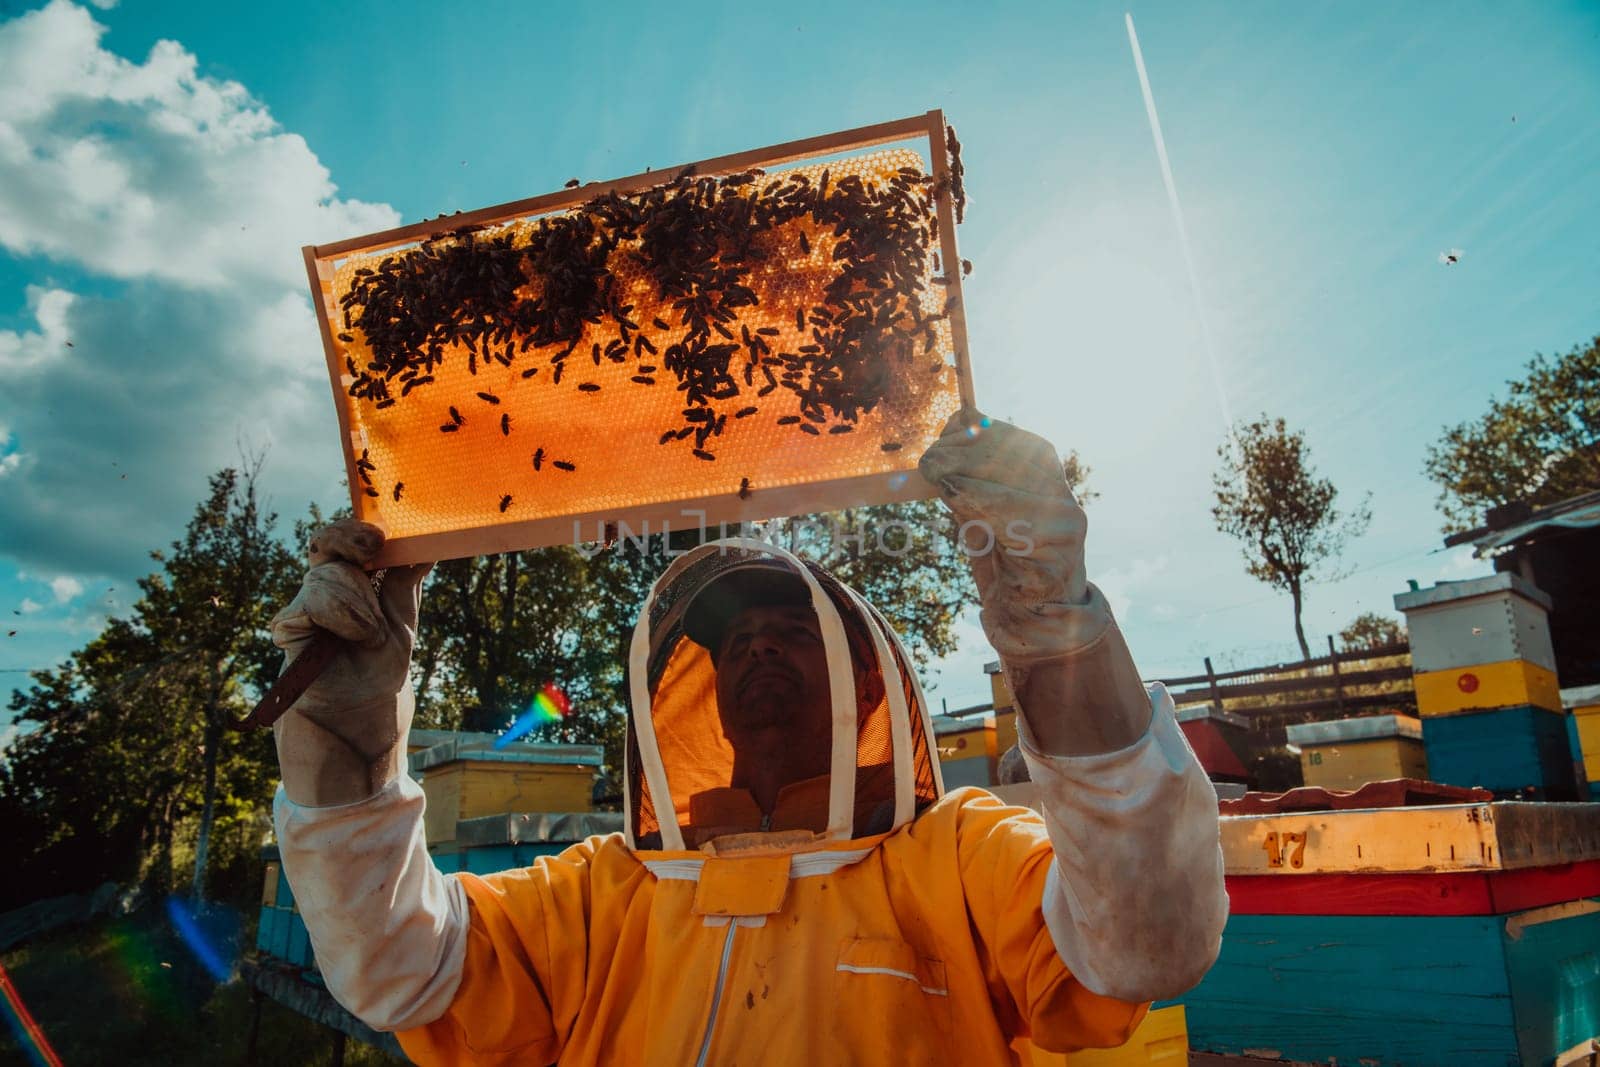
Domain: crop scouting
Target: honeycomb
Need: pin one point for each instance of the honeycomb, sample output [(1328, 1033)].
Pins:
[(486, 434)]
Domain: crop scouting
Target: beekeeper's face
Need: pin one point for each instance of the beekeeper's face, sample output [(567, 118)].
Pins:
[(772, 674)]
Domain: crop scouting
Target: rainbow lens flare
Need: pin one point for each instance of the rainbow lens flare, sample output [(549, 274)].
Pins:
[(549, 705), (29, 1036), (186, 922)]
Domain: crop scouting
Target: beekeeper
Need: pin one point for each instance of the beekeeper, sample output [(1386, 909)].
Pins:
[(793, 884)]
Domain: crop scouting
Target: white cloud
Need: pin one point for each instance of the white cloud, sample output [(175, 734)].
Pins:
[(152, 170), (1120, 583), (25, 350), (29, 606), (1462, 564), (65, 588), (116, 403)]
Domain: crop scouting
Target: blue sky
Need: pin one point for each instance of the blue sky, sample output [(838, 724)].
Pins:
[(160, 167)]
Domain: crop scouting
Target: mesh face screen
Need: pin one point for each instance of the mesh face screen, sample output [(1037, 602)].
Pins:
[(714, 337), (696, 753)]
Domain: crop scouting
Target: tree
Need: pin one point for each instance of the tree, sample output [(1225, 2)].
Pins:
[(1538, 446), (1269, 498), (131, 748), (1369, 630), (1077, 472)]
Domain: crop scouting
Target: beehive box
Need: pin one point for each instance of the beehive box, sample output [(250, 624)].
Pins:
[(963, 748), (1347, 753), (466, 779), (1455, 934), (508, 841), (770, 333), (1583, 734), (999, 688), (1217, 737), (1479, 644), (1161, 1040), (1510, 751), (280, 931)]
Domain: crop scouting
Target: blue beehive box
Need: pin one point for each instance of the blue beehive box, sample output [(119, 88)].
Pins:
[(505, 842), (1432, 936), (1510, 751)]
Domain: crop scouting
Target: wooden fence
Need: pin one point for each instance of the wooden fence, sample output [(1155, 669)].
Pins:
[(1339, 685)]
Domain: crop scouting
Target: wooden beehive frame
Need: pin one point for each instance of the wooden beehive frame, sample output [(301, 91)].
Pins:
[(716, 508)]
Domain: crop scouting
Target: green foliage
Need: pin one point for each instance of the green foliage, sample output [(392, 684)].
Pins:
[(1370, 630), (1269, 498), (129, 739), (1540, 445), (128, 991)]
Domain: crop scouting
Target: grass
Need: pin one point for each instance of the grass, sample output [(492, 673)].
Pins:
[(129, 991)]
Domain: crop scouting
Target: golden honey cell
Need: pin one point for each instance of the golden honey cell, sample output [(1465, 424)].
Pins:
[(486, 435)]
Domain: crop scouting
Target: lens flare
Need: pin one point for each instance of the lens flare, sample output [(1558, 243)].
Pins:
[(29, 1036), (186, 923), (549, 705)]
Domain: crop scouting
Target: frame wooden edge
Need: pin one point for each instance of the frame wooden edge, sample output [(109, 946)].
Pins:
[(717, 509), (860, 137), (330, 351), (944, 199)]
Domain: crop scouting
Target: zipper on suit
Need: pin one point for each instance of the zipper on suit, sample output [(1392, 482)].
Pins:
[(716, 996)]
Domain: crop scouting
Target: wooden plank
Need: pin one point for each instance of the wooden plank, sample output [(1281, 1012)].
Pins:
[(286, 987), (1553, 965), (1362, 894), (1357, 989), (322, 285), (906, 129), (1319, 682), (1537, 887), (1448, 837), (708, 513), (950, 257), (1400, 648), (1463, 893)]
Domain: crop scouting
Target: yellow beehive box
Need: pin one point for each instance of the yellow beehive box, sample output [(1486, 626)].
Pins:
[(1583, 704), (1349, 753), (467, 779), (1485, 686), (999, 687), (269, 884), (963, 750), (999, 734), (1161, 1039)]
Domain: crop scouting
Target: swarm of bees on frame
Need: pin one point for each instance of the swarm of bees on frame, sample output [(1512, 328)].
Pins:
[(533, 296)]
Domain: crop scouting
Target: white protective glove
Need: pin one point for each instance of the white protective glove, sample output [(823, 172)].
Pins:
[(344, 739), (1008, 483)]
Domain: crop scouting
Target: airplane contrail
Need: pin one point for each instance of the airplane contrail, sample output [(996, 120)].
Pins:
[(1183, 231)]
